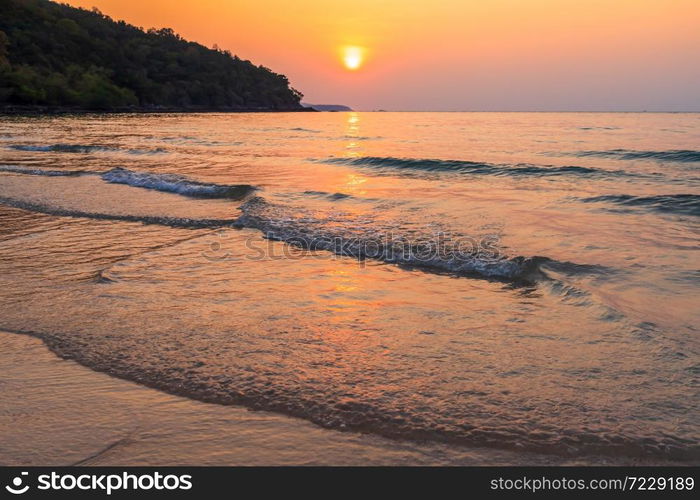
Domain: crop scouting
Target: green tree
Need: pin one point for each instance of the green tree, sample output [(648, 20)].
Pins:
[(4, 42), (54, 54)]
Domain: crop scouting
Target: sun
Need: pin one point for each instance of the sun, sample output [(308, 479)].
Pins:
[(353, 57)]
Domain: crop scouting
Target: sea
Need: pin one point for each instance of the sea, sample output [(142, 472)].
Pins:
[(519, 283)]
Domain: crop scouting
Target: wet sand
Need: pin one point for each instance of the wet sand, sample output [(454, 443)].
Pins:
[(57, 412)]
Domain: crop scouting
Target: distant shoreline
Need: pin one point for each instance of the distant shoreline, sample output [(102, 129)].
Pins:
[(53, 110)]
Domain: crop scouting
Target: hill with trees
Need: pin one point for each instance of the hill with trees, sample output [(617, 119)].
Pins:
[(56, 56)]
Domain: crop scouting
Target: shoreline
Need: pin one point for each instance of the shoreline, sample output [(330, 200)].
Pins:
[(134, 425), (49, 110), (155, 427)]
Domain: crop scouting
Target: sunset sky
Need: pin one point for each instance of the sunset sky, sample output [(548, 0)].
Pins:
[(454, 54)]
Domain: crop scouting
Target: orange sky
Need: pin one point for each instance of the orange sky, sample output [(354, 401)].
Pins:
[(455, 54)]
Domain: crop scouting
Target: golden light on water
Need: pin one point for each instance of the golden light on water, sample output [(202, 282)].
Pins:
[(353, 57)]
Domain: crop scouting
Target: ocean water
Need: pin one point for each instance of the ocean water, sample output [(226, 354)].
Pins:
[(517, 282)]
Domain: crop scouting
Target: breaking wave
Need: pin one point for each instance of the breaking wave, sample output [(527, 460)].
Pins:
[(173, 183), (169, 183), (343, 235)]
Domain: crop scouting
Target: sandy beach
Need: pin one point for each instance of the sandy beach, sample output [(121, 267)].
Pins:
[(58, 413)]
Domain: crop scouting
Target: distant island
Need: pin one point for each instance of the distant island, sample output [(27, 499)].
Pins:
[(54, 57), (327, 107)]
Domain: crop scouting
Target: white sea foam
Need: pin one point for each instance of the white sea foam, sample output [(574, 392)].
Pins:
[(178, 184)]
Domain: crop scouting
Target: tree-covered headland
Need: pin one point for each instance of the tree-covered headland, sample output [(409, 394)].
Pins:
[(56, 56)]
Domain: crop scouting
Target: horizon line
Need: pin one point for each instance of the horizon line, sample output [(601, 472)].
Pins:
[(692, 111)]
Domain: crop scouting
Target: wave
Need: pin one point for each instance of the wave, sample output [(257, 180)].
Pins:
[(437, 252), (360, 137), (170, 183), (81, 149), (328, 196), (58, 148), (188, 140), (471, 167), (286, 129), (302, 129), (173, 183), (599, 128), (179, 222), (676, 155), (468, 425), (685, 204), (40, 171)]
